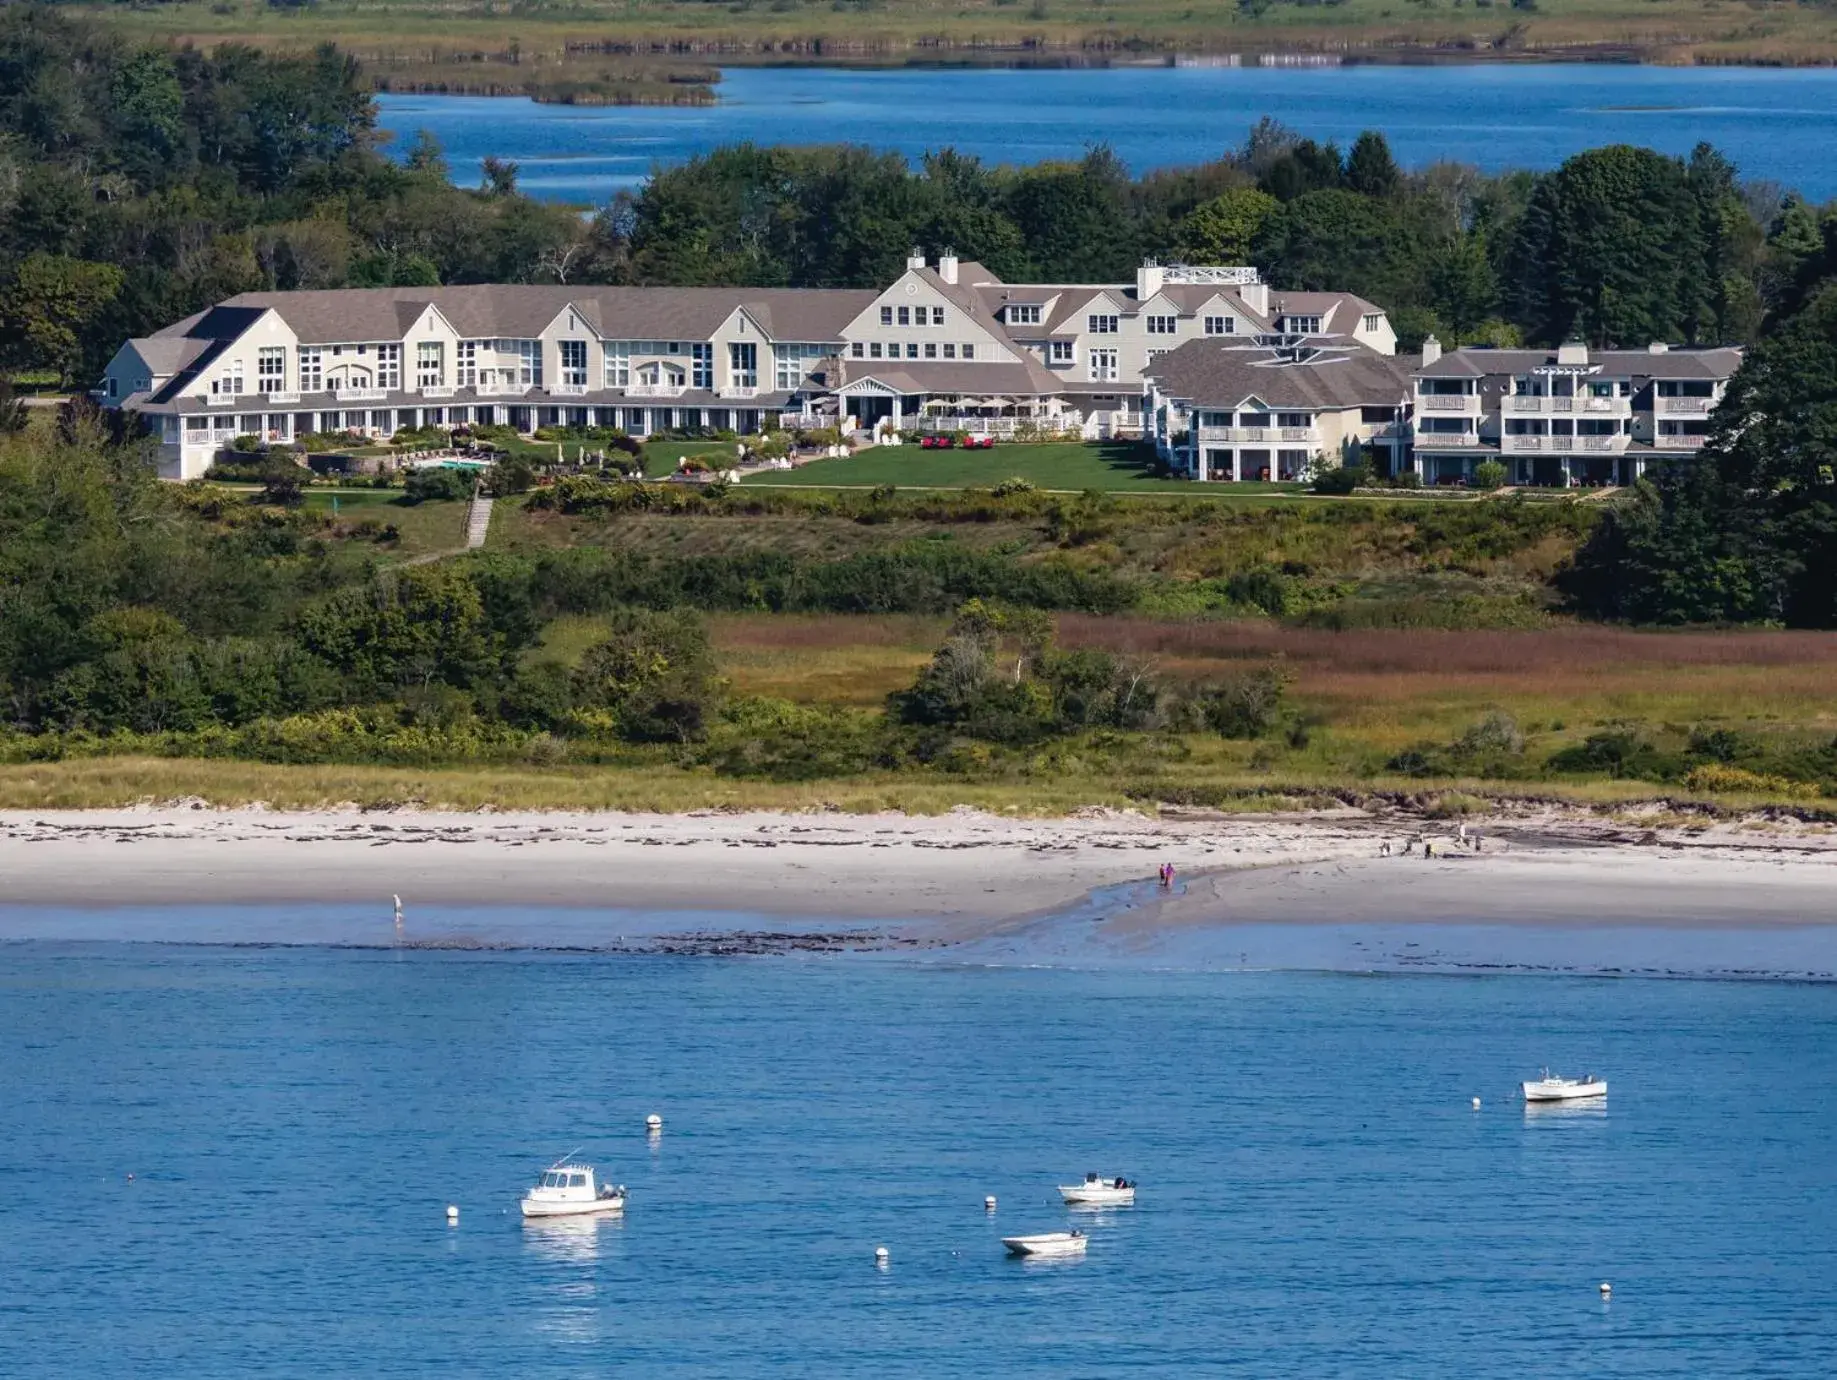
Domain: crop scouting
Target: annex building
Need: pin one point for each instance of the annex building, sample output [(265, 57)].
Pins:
[(946, 346)]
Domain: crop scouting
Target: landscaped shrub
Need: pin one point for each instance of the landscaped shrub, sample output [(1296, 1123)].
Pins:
[(436, 483)]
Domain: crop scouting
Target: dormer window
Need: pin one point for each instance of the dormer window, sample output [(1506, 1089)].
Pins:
[(1023, 315), (1163, 325), (1369, 322), (1102, 325), (1221, 325), (1301, 325)]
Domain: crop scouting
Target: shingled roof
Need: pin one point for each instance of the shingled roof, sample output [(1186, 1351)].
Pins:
[(521, 311), (1215, 373)]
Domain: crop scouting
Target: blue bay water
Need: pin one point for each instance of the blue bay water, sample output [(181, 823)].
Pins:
[(1775, 124), (1318, 1198)]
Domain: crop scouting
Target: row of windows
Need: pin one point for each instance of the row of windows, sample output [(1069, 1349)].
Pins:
[(474, 366), (932, 349), (912, 316)]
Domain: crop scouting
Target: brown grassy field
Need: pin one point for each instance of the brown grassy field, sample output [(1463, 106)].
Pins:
[(1379, 691)]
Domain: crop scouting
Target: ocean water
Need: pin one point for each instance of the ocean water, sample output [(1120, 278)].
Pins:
[(1318, 1197), (1775, 124)]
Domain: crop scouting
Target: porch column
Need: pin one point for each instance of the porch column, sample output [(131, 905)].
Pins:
[(899, 413), (1569, 471), (1201, 467)]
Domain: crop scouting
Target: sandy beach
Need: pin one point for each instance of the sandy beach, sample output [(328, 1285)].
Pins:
[(967, 874)]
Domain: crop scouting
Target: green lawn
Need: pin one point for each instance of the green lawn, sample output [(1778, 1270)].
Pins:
[(1112, 466), (660, 457)]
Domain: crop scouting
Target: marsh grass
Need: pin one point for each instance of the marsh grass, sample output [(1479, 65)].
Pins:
[(403, 31)]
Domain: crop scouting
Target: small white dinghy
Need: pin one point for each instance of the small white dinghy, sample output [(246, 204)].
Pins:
[(1049, 1244), (567, 1189), (1551, 1088), (1098, 1192)]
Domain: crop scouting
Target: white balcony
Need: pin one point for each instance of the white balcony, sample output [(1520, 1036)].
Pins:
[(1679, 442), (360, 394), (220, 399), (277, 399), (1611, 445), (1689, 407), (435, 390), (568, 390), (1448, 440), (501, 390), (656, 390), (1523, 445), (739, 390), (1449, 402)]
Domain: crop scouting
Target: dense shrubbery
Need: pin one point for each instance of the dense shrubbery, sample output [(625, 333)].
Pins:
[(999, 677), (437, 483)]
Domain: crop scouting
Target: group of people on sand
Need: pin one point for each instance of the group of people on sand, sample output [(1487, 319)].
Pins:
[(1167, 876), (1463, 839)]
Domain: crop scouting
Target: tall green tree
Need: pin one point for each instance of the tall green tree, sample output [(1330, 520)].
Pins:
[(1224, 230), (1370, 169), (48, 305), (1611, 250)]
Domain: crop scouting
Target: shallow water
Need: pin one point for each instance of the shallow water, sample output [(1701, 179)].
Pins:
[(1779, 124), (1318, 1197)]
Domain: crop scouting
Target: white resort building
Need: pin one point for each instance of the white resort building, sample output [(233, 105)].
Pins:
[(947, 346), (1566, 416), (1277, 407), (1229, 378)]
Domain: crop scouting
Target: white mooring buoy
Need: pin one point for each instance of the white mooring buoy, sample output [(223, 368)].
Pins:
[(452, 1215), (653, 1122), (1607, 1290), (1476, 1104), (988, 1203), (880, 1255)]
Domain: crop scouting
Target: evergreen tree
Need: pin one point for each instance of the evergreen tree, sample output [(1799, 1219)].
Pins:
[(1370, 169)]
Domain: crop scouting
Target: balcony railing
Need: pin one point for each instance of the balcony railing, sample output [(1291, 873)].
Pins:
[(1679, 442), (360, 394), (1447, 440), (278, 398), (436, 390), (740, 390), (220, 399), (1519, 445), (501, 390), (656, 390), (1448, 402), (1615, 444), (1693, 406), (568, 390)]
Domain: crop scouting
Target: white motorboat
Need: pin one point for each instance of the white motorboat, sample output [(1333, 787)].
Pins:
[(1551, 1088), (567, 1189), (1098, 1192), (1048, 1244)]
